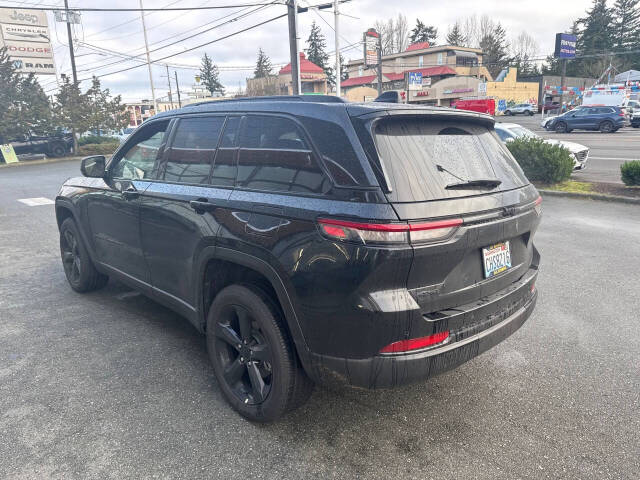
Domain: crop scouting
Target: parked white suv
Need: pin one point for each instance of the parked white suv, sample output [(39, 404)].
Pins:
[(510, 131), (523, 108)]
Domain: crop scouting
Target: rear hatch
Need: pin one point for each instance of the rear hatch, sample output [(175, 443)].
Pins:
[(444, 167)]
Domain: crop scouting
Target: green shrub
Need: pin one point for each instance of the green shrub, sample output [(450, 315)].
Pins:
[(98, 149), (95, 139), (630, 172), (541, 161)]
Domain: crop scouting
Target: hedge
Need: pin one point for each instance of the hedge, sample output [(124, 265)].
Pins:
[(95, 139), (630, 172), (98, 149), (541, 161)]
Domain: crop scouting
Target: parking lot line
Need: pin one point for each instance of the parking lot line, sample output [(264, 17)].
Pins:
[(36, 201)]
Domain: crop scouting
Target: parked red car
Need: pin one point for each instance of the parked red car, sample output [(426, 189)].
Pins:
[(485, 105)]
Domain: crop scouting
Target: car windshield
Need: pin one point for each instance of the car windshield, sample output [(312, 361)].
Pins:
[(522, 132), (421, 157)]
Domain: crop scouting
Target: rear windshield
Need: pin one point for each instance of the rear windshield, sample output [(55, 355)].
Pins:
[(421, 157)]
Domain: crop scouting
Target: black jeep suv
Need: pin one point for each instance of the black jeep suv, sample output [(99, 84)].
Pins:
[(313, 241)]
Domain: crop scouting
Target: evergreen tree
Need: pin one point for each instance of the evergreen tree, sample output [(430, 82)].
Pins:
[(455, 36), (263, 66), (24, 105), (494, 48), (71, 108), (211, 76), (626, 21), (316, 52), (331, 74), (597, 32), (423, 33), (104, 112)]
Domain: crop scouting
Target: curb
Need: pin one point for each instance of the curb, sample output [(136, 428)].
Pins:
[(591, 196), (39, 162)]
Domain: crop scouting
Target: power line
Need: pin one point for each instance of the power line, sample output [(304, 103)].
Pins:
[(190, 49), (53, 8)]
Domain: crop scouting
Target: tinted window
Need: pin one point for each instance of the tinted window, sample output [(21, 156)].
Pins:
[(337, 152), (275, 156), (421, 157), (141, 157), (192, 150), (502, 134), (224, 168)]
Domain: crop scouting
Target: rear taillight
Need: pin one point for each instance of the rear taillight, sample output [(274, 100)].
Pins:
[(538, 206), (389, 233), (416, 343)]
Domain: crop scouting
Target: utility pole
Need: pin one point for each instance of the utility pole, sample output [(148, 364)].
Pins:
[(563, 82), (146, 46), (71, 55), (379, 63), (169, 81), (337, 30), (292, 12), (178, 89)]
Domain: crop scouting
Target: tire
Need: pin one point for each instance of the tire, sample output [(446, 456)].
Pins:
[(78, 267), (508, 112), (57, 150), (273, 383), (606, 127), (530, 113), (560, 127)]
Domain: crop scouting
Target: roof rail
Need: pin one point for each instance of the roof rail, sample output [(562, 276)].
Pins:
[(275, 98)]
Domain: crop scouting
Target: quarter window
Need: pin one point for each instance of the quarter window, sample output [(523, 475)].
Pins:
[(193, 148), (141, 158), (275, 156)]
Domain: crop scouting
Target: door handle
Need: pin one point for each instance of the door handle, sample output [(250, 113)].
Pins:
[(201, 205), (130, 193)]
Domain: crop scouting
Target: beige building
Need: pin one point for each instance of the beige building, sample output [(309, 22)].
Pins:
[(507, 87), (312, 80), (463, 60)]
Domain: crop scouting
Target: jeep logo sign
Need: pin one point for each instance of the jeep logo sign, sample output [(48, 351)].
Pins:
[(15, 16), (23, 17)]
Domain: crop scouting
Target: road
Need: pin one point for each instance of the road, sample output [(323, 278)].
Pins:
[(607, 150), (113, 385)]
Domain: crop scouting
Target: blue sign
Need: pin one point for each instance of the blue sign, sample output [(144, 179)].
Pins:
[(415, 78), (565, 45)]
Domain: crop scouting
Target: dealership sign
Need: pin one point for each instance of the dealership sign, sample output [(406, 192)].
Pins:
[(414, 79), (371, 43), (25, 34), (565, 45)]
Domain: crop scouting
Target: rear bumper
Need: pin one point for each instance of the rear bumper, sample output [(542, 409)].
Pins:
[(387, 371)]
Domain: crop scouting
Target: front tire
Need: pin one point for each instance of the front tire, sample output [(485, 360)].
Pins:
[(508, 112), (78, 267), (561, 127), (606, 127), (57, 150), (253, 356)]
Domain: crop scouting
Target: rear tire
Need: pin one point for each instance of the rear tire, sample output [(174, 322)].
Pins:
[(508, 112), (606, 127), (57, 150), (78, 267), (530, 113), (561, 127), (253, 356)]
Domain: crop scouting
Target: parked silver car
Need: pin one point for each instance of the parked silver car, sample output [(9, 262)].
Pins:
[(510, 131), (521, 108)]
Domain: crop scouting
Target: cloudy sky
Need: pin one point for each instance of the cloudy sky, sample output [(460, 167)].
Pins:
[(121, 32)]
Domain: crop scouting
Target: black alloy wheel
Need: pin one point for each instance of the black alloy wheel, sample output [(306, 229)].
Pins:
[(253, 356), (243, 354), (71, 260), (560, 127), (606, 127)]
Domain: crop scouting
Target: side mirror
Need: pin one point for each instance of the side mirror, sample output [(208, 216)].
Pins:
[(93, 166)]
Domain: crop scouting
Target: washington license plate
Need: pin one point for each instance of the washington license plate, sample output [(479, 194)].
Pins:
[(496, 259)]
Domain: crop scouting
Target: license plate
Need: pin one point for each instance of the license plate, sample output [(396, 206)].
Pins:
[(496, 259)]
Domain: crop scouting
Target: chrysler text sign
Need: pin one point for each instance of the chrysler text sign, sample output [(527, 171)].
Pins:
[(565, 45)]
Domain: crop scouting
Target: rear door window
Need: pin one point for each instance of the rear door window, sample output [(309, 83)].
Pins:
[(421, 157), (275, 156), (191, 154)]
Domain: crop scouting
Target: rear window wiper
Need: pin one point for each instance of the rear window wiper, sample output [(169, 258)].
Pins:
[(479, 182)]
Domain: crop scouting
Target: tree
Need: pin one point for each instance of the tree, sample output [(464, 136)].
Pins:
[(104, 111), (316, 50), (263, 65), (494, 48), (24, 105), (344, 73), (523, 50), (71, 109), (455, 36), (210, 76), (393, 33), (423, 33)]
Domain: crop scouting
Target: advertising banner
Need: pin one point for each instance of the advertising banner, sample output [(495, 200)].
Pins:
[(8, 154), (414, 80), (371, 38), (565, 45)]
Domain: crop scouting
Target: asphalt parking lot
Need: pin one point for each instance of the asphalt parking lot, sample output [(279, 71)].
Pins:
[(113, 385), (607, 151)]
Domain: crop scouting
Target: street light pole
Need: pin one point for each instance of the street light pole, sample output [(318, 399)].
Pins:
[(146, 46)]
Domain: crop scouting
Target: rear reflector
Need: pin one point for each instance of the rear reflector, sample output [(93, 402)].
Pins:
[(389, 233), (416, 343), (538, 206)]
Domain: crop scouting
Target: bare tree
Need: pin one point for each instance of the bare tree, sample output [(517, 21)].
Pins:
[(470, 31), (401, 33), (523, 49), (394, 33)]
